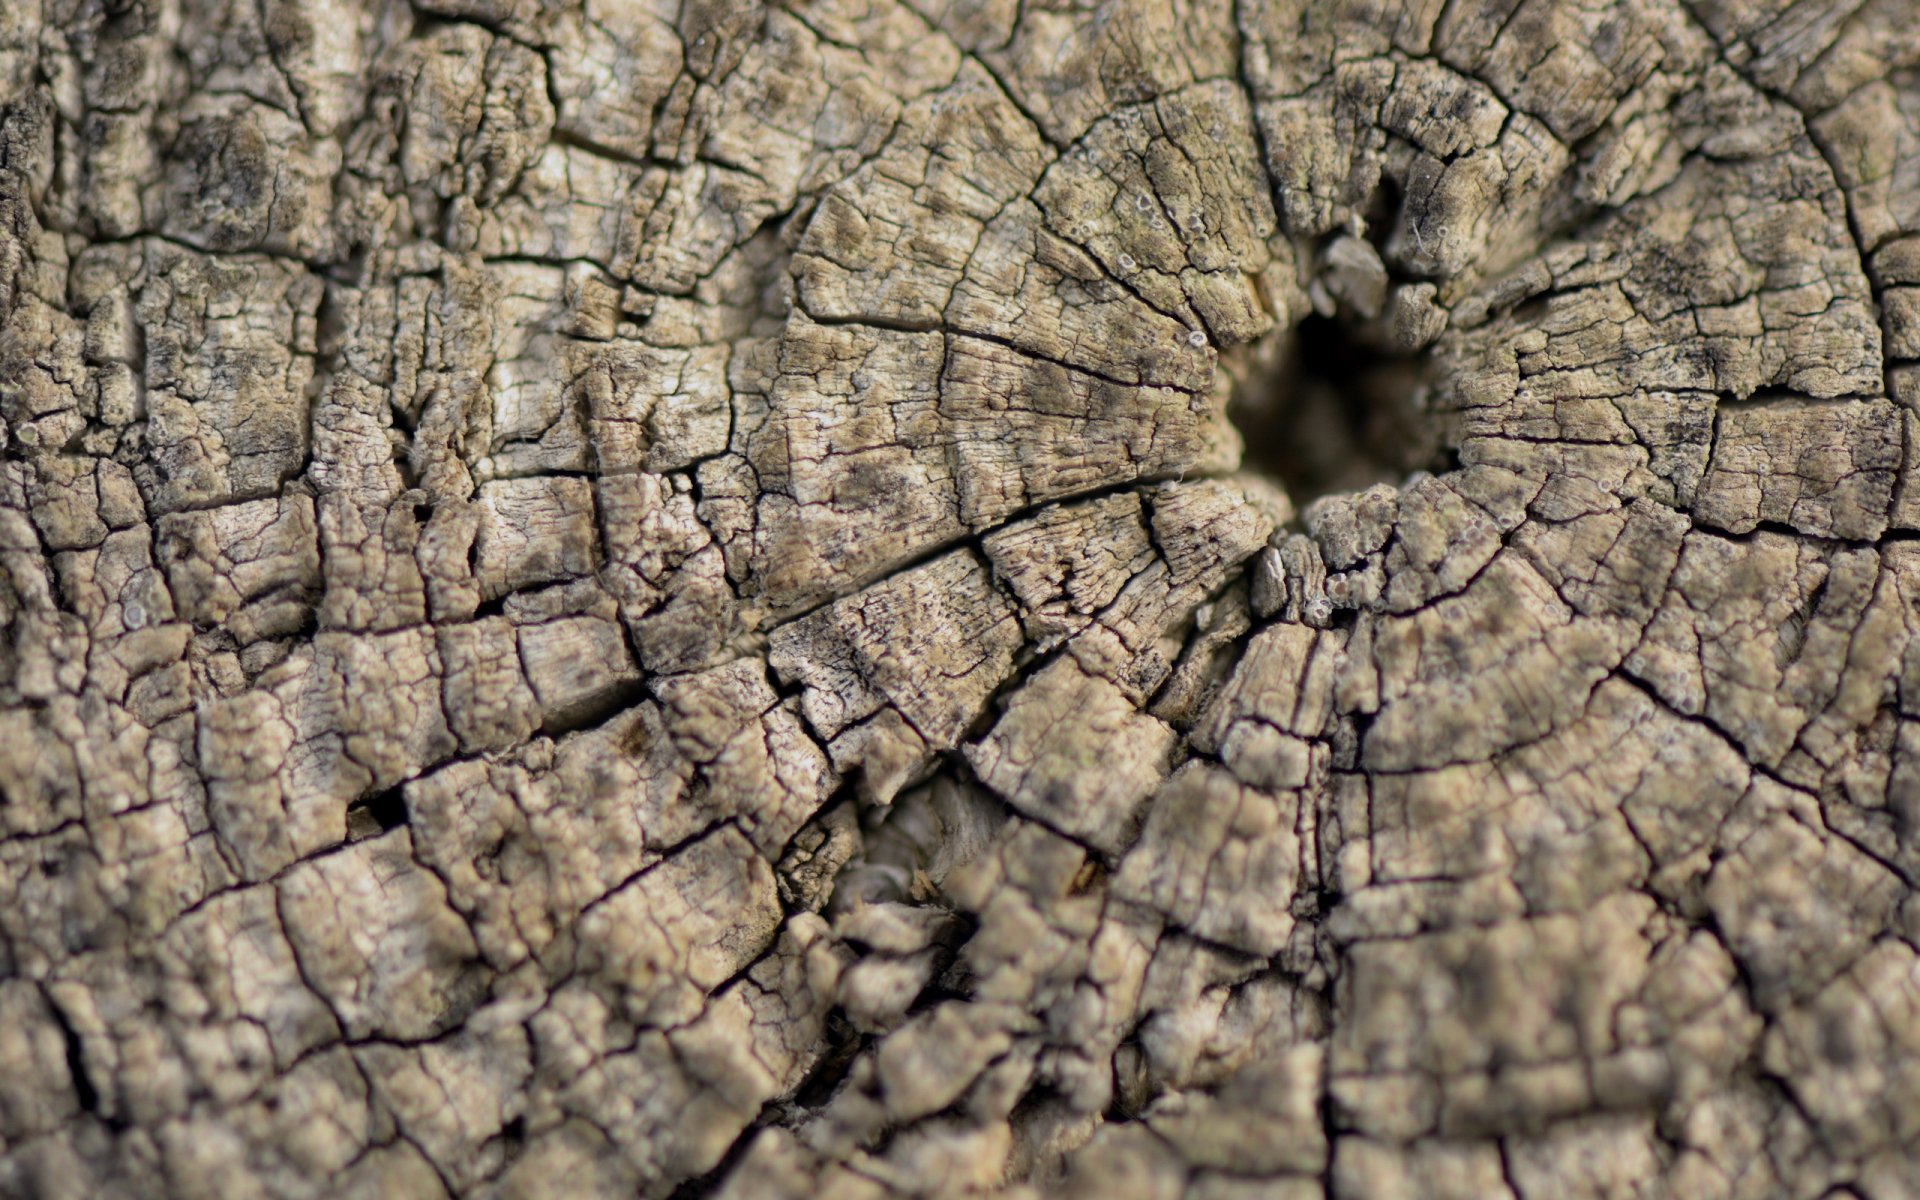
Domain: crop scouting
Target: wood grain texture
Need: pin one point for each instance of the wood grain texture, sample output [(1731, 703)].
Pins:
[(870, 598)]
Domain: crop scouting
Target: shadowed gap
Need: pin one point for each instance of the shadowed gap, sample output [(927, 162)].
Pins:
[(1326, 408), (1335, 404)]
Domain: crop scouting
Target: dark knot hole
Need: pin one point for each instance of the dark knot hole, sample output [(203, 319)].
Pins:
[(1331, 405)]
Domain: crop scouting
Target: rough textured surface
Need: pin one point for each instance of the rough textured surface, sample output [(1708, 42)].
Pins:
[(610, 599)]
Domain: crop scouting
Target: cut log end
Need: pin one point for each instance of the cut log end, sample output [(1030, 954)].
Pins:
[(1289, 598)]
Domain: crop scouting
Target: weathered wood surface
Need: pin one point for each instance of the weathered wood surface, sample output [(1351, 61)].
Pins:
[(631, 597)]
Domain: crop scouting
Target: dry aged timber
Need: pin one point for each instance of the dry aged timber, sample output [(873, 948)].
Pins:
[(938, 598)]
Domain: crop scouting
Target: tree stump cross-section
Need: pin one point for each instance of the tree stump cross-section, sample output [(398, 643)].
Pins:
[(891, 598)]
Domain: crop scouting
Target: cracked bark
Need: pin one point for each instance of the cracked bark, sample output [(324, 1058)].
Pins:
[(1260, 598)]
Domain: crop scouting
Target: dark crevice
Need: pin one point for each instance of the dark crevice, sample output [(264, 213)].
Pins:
[(1382, 212), (83, 1088), (1328, 407), (511, 1141), (371, 816), (707, 1184), (596, 709), (493, 607), (822, 1083)]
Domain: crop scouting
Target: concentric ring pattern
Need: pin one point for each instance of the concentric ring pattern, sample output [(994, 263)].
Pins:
[(628, 597)]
